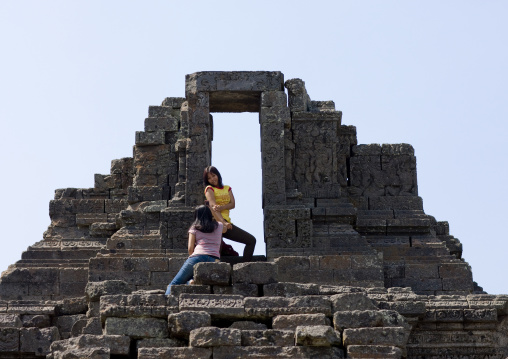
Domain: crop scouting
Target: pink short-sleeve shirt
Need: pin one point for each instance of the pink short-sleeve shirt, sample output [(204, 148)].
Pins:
[(207, 243)]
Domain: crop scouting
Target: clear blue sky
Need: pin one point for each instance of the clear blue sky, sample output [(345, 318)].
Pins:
[(77, 77)]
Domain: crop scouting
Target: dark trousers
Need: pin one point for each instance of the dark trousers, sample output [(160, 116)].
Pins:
[(239, 235)]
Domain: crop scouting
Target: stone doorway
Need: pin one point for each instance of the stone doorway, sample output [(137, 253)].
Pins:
[(236, 153), (234, 92)]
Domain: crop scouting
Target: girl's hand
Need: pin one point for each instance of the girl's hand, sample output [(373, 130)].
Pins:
[(228, 225), (216, 207)]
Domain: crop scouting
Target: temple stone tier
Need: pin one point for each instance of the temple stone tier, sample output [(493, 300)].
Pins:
[(354, 267)]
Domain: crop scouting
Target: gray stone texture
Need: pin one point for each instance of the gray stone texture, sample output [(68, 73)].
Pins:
[(374, 352), (137, 328), (392, 336), (267, 307), (182, 323), (174, 353), (268, 337), (212, 273), (290, 322), (368, 318), (224, 306), (214, 337), (278, 352), (255, 273), (90, 346), (248, 325), (317, 336), (137, 305), (351, 301)]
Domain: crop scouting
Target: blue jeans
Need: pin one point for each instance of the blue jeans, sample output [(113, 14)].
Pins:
[(187, 271)]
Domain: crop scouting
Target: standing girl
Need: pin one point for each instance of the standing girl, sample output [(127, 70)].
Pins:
[(221, 201), (205, 236)]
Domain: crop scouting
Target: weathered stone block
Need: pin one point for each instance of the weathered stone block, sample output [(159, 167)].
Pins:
[(244, 289), (36, 321), (153, 124), (266, 307), (174, 353), (290, 322), (160, 343), (65, 324), (181, 324), (64, 220), (83, 346), (146, 193), (72, 306), (137, 328), (150, 138), (176, 290), (368, 318), (277, 352), (338, 289), (138, 305), (212, 273), (373, 352), (487, 301), (271, 337), (480, 315), (86, 326), (234, 81), (351, 301), (94, 290), (285, 289), (213, 337), (407, 308), (299, 100), (373, 149), (248, 325), (396, 202), (10, 321), (392, 336), (38, 341), (317, 335), (286, 263), (102, 229), (9, 340), (255, 272), (216, 305)]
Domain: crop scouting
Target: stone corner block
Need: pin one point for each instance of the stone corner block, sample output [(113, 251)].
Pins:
[(211, 273), (94, 290), (255, 273)]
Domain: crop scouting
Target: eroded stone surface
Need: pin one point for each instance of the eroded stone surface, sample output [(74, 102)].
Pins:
[(317, 336), (181, 324), (214, 337)]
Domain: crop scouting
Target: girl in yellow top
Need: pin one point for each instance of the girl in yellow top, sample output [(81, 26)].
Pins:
[(221, 201)]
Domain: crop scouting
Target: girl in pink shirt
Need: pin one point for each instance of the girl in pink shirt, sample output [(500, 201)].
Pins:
[(204, 244)]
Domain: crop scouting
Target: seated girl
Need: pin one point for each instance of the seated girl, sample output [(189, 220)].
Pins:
[(204, 244)]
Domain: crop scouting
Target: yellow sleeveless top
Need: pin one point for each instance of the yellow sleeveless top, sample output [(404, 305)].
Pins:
[(221, 198)]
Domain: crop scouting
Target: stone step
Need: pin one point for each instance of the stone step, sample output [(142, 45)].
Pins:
[(52, 262)]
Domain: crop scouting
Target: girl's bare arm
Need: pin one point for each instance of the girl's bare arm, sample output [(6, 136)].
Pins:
[(192, 243)]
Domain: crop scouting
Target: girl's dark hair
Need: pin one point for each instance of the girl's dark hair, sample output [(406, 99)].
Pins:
[(215, 171), (203, 220)]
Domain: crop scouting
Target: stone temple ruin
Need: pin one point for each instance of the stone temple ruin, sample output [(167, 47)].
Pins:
[(354, 267)]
